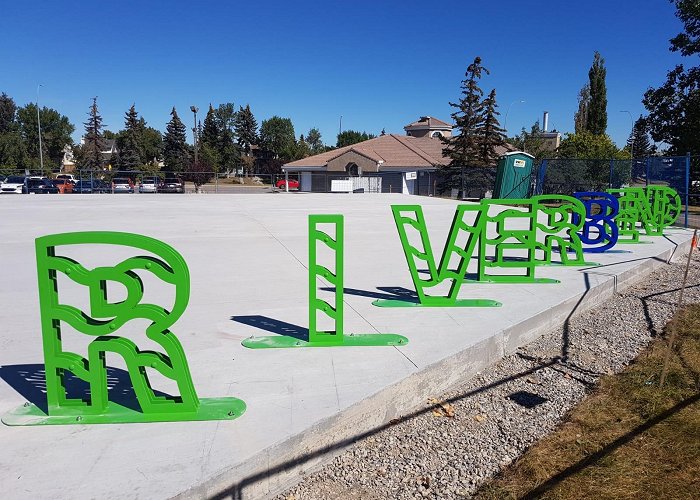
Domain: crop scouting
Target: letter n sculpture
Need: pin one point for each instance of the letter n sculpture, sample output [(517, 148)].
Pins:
[(335, 336), (103, 322)]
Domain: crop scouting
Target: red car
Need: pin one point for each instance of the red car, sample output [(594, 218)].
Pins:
[(293, 184)]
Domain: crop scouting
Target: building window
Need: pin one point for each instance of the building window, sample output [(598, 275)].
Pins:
[(437, 134), (353, 170)]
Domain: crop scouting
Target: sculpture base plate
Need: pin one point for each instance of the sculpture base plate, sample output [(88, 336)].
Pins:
[(456, 303), (209, 409), (516, 281), (348, 340)]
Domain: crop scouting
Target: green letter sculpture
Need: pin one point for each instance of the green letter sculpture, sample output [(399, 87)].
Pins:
[(654, 207), (334, 337), (518, 230), (104, 320)]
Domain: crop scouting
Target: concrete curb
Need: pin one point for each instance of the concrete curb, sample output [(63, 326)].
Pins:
[(282, 465)]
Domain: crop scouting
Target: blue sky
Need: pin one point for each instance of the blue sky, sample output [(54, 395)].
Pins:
[(379, 64)]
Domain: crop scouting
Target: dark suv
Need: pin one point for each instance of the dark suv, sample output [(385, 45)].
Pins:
[(171, 185), (39, 186)]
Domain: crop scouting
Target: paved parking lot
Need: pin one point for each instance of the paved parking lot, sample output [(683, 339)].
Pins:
[(247, 257)]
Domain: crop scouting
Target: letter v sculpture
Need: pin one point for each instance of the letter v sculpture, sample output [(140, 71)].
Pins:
[(326, 338), (102, 323)]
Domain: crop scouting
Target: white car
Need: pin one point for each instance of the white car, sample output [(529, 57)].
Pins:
[(13, 184), (149, 185), (122, 185)]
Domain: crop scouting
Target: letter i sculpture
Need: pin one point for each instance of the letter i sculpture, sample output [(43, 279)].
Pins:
[(334, 337)]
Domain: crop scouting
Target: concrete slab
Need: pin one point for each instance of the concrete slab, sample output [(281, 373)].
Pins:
[(247, 257)]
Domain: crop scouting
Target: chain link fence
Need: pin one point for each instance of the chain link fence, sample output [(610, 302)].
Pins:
[(566, 176)]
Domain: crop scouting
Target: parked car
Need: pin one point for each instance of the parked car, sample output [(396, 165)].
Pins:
[(13, 184), (122, 185), (69, 177), (149, 185), (64, 186), (41, 185), (86, 186), (171, 185), (292, 183)]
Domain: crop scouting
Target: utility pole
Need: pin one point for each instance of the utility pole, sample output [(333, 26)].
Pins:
[(38, 120), (194, 109)]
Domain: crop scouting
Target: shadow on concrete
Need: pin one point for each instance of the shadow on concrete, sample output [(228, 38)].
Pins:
[(274, 326), (624, 262), (539, 491), (30, 381), (385, 293)]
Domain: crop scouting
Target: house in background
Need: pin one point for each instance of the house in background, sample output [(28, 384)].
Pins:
[(389, 163), (386, 164), (427, 126)]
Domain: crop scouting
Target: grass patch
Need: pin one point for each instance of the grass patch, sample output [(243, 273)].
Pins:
[(629, 439)]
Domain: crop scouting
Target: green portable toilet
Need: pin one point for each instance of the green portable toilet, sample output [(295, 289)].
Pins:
[(513, 175)]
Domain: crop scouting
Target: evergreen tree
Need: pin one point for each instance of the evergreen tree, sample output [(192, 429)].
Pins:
[(493, 135), (581, 116), (209, 139), (639, 145), (8, 111), (130, 156), (227, 149), (597, 120), (246, 128), (302, 149), (175, 150), (313, 139), (90, 157), (464, 149), (349, 137), (532, 143)]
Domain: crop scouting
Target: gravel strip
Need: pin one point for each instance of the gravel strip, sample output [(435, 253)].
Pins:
[(499, 413)]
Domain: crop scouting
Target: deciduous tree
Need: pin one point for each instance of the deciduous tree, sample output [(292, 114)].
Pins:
[(581, 116), (674, 108), (277, 136), (597, 119)]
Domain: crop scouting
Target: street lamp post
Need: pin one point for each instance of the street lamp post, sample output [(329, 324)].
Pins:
[(194, 109), (505, 121), (38, 120)]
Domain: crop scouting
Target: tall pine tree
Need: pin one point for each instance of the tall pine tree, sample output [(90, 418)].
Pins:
[(175, 151), (464, 149), (494, 135), (90, 157), (639, 145), (246, 129), (129, 142), (597, 121), (228, 150), (209, 140)]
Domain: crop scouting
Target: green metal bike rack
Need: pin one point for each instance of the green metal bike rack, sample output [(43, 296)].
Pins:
[(103, 322), (335, 311), (557, 234)]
